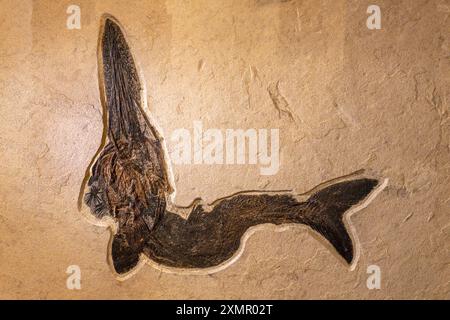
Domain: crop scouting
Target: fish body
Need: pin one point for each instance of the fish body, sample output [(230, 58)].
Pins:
[(129, 183)]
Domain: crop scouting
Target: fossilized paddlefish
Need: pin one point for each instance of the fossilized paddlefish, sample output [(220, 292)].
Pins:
[(129, 182)]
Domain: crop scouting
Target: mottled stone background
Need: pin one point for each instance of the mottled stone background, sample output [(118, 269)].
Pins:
[(359, 99)]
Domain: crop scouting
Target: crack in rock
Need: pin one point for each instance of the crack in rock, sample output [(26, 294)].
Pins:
[(279, 102)]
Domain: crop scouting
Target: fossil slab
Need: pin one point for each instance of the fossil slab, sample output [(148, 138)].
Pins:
[(129, 183)]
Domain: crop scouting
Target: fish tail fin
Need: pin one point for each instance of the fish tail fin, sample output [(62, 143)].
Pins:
[(328, 208)]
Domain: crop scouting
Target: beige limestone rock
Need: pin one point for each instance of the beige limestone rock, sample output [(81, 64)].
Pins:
[(352, 99)]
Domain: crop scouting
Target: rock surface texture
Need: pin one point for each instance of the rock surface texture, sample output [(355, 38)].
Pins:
[(343, 97)]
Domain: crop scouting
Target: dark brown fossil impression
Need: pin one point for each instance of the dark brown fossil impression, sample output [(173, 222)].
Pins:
[(129, 182)]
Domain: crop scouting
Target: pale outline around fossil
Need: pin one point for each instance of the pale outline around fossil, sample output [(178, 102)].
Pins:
[(109, 222)]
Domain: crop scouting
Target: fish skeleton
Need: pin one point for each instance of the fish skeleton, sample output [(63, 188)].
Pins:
[(129, 182)]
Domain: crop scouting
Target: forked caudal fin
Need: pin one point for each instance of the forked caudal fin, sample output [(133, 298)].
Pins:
[(328, 207)]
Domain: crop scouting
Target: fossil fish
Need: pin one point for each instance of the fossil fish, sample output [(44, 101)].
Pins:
[(129, 182)]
